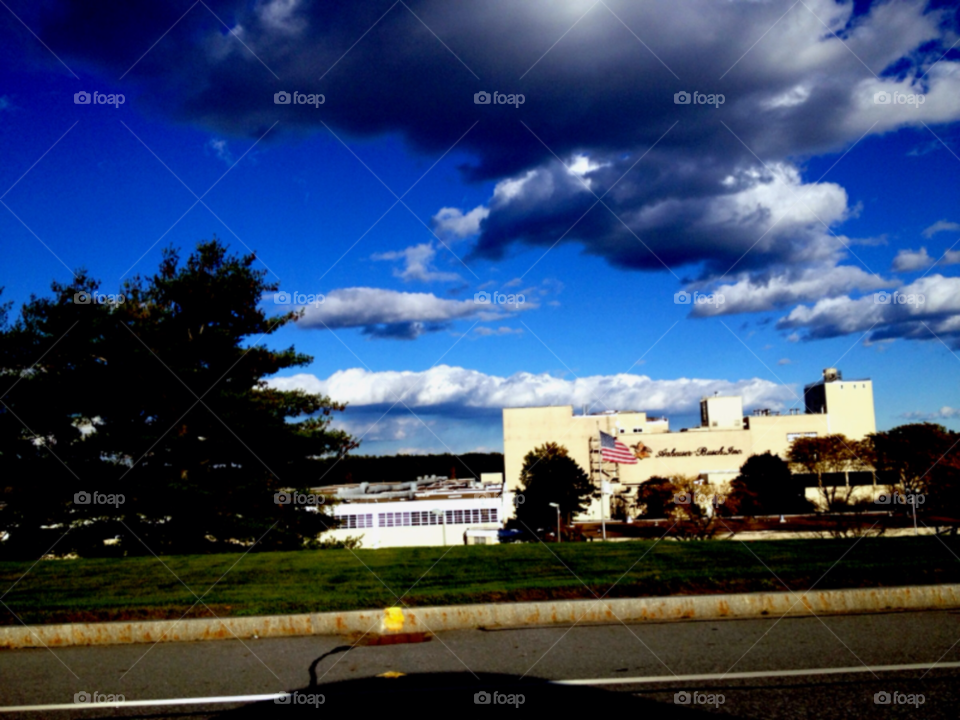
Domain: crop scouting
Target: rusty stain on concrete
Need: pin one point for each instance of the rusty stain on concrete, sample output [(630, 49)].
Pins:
[(396, 622)]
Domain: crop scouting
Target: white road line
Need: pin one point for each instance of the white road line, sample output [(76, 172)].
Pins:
[(142, 703), (668, 679), (673, 679)]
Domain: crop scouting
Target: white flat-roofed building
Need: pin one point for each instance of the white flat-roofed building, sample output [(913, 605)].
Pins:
[(426, 512)]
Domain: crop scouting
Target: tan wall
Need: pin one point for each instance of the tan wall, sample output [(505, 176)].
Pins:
[(725, 412), (676, 453), (527, 428), (850, 408), (685, 453), (770, 432)]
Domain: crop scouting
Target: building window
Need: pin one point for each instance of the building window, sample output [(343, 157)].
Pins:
[(636, 430), (352, 522), (398, 519)]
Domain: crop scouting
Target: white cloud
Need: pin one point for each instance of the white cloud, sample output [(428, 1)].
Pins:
[(506, 190), (418, 264), (794, 96), (399, 315), (950, 257), (940, 226), (932, 306), (451, 388), (944, 413), (453, 223), (911, 260), (757, 294)]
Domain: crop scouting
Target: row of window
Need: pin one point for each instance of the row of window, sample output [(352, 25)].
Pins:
[(420, 517)]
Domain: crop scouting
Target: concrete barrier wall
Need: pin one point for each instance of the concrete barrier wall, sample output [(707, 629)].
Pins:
[(500, 615)]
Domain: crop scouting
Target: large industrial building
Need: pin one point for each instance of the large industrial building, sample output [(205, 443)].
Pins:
[(713, 452)]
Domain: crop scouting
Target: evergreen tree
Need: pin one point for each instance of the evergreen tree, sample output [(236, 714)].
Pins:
[(161, 398)]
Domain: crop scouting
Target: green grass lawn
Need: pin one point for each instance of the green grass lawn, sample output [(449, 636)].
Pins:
[(320, 581)]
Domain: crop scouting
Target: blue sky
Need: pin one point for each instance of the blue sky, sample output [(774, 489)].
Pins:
[(797, 199)]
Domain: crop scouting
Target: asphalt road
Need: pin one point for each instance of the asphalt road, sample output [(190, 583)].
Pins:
[(447, 670)]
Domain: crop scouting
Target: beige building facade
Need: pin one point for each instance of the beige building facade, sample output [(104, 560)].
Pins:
[(714, 452)]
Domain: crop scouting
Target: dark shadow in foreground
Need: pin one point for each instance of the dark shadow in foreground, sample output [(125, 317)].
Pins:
[(457, 694)]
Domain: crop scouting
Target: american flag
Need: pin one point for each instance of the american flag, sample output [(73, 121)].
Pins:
[(612, 450)]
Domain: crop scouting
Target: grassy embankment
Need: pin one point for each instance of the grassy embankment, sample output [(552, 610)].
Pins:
[(297, 582)]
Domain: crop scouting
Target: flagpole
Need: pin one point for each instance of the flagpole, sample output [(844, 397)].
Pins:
[(603, 514)]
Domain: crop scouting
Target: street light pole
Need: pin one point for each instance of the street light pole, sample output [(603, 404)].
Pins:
[(557, 506)]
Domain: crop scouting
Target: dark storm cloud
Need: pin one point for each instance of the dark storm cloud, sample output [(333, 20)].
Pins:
[(716, 186)]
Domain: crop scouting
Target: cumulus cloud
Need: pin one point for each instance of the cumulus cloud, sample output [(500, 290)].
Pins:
[(418, 264), (389, 314), (460, 390), (910, 260), (923, 310), (769, 291)]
